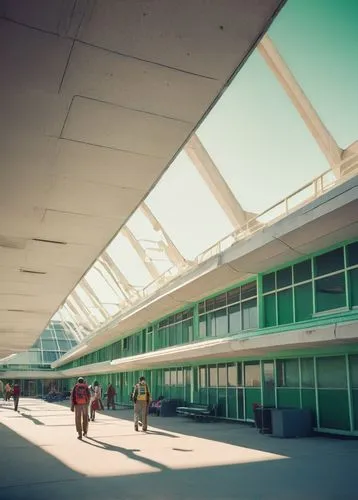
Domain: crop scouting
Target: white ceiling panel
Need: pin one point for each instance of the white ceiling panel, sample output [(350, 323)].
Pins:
[(112, 126), (202, 37), (106, 166), (86, 131), (33, 60), (77, 228), (95, 199), (99, 74)]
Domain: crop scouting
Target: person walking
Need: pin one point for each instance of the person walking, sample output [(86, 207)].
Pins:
[(141, 398), (96, 402), (16, 395), (7, 392), (111, 393), (80, 397)]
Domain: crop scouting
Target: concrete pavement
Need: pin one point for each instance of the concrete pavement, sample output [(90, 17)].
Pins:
[(177, 459)]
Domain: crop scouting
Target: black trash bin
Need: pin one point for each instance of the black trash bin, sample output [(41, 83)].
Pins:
[(263, 419)]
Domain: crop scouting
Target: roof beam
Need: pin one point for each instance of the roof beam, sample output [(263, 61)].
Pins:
[(127, 233), (118, 277), (94, 298), (215, 182), (170, 249), (324, 139)]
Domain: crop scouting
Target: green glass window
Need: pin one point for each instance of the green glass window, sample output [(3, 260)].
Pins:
[(269, 282), (252, 375), (180, 378), (213, 376), (285, 307), (353, 286), (249, 314), (235, 318), (303, 302), (302, 271), (232, 375), (330, 292), (307, 373), (270, 310), (202, 326), (222, 375), (233, 296), (284, 277), (202, 376), (331, 372), (249, 290), (287, 373), (329, 262), (352, 254), (353, 368), (221, 322)]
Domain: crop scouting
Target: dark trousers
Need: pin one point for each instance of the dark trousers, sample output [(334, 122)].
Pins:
[(16, 402), (110, 403)]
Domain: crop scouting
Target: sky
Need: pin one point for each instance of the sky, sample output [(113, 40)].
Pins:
[(256, 137)]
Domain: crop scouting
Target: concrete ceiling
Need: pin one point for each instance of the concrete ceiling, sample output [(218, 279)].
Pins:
[(97, 97)]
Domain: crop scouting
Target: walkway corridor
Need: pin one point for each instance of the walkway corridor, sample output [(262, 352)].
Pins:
[(177, 459)]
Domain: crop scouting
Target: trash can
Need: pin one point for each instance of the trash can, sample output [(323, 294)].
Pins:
[(263, 420), (291, 422)]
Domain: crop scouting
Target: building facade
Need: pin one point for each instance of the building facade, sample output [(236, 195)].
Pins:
[(315, 296)]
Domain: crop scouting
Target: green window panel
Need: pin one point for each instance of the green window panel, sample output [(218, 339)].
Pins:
[(303, 302), (252, 374), (353, 369), (252, 397), (203, 396), (352, 254), (202, 326), (213, 376), (284, 277), (302, 271), (212, 396), (285, 307), (270, 310), (231, 403), (221, 323), (288, 398), (331, 372), (355, 408), (232, 375), (222, 376), (202, 376), (353, 286), (240, 403), (269, 282), (307, 372), (287, 373), (330, 292), (235, 318), (333, 409), (221, 403), (210, 325), (249, 314), (329, 262)]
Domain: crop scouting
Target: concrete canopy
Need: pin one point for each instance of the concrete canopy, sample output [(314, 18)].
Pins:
[(96, 100)]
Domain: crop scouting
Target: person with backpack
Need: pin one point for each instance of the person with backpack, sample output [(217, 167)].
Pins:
[(80, 397), (141, 399)]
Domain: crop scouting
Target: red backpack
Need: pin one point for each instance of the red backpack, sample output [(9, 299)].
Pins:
[(81, 394)]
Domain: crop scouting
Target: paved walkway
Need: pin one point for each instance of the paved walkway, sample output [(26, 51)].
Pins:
[(177, 459)]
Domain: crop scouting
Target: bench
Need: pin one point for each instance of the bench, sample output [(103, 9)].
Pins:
[(198, 411)]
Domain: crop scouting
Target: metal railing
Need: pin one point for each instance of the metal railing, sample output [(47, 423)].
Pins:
[(306, 194)]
